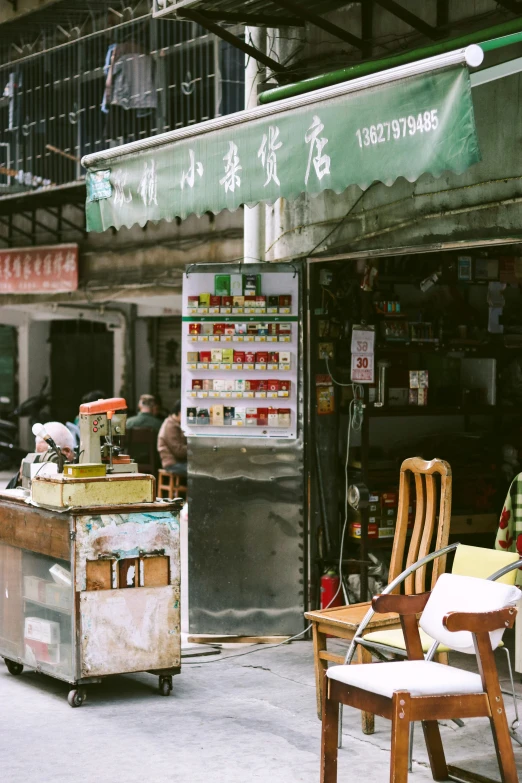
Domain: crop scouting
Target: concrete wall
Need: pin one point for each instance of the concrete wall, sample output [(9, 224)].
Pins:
[(34, 355)]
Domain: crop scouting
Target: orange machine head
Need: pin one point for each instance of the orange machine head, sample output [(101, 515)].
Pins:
[(104, 406)]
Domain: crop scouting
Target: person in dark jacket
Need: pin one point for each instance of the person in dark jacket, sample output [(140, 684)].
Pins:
[(172, 444)]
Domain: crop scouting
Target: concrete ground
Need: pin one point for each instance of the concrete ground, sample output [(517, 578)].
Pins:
[(250, 718)]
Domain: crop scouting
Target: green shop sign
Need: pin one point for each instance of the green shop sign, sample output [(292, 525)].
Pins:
[(401, 129)]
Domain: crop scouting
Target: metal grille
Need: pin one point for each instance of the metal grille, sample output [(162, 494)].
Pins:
[(111, 87)]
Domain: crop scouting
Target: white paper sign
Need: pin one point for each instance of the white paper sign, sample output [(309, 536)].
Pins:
[(363, 345)]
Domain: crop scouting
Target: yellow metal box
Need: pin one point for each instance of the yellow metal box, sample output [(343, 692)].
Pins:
[(116, 490), (85, 470)]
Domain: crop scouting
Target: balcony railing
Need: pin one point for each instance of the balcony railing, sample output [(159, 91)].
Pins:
[(108, 88)]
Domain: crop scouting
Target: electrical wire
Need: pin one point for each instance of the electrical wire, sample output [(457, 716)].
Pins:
[(355, 414)]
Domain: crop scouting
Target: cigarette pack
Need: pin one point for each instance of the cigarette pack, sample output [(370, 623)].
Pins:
[(216, 415), (219, 329), (193, 356), (261, 357), (284, 357), (207, 328), (273, 417), (285, 329), (250, 301), (192, 415), (208, 384), (236, 285), (251, 417), (263, 385), (239, 417), (217, 355), (273, 301), (250, 357), (230, 384), (197, 383), (284, 388), (261, 302), (204, 300), (218, 384), (241, 328), (285, 300), (203, 416), (215, 301), (222, 285), (194, 328), (238, 301), (273, 385), (238, 357), (251, 329), (262, 417), (205, 356), (230, 330), (240, 385), (284, 415), (273, 356), (252, 284), (273, 328), (252, 385), (228, 415), (262, 329), (227, 355), (226, 301)]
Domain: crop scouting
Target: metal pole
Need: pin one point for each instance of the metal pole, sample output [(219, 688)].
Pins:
[(253, 217)]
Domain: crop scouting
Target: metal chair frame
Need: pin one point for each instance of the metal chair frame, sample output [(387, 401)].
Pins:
[(380, 649)]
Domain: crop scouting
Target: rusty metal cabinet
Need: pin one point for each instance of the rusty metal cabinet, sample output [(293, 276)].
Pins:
[(91, 592)]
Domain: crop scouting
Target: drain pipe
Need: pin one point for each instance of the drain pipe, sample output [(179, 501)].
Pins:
[(253, 217)]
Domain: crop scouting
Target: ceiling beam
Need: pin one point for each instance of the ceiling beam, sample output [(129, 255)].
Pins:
[(367, 9), (64, 220), (253, 19), (411, 19), (301, 11), (226, 35), (32, 217), (11, 227)]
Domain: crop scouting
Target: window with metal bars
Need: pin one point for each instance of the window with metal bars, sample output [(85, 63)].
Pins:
[(110, 87)]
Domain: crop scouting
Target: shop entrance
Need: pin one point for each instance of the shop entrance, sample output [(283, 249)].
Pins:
[(82, 360), (447, 339)]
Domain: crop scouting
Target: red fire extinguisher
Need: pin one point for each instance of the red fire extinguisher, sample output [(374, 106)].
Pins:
[(329, 587)]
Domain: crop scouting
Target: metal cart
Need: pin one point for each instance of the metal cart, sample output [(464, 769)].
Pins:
[(90, 592)]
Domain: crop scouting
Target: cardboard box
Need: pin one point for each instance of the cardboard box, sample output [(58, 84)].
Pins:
[(34, 588), (41, 652), (222, 285), (40, 630)]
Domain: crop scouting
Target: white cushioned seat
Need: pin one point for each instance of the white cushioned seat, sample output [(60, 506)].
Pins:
[(420, 678)]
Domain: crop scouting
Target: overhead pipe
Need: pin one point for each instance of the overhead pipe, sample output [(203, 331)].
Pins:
[(489, 39)]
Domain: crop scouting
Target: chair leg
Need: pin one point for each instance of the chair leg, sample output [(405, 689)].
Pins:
[(410, 750), (503, 745), (367, 719), (329, 736), (515, 723), (319, 640), (400, 734), (439, 769)]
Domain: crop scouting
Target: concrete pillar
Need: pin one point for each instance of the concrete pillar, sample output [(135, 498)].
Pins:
[(34, 365)]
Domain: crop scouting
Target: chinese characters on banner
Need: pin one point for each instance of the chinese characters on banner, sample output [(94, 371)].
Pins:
[(363, 347), (38, 270)]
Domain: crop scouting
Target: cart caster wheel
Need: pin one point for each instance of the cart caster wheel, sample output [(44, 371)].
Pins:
[(13, 667), (76, 698), (165, 685)]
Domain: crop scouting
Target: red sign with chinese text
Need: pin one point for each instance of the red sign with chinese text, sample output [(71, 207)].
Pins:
[(39, 270)]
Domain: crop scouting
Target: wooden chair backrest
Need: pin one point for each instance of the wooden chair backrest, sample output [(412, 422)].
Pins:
[(427, 517)]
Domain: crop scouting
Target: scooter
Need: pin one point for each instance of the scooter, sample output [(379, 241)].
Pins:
[(34, 408)]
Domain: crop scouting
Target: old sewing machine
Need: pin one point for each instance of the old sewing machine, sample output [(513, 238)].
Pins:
[(89, 564)]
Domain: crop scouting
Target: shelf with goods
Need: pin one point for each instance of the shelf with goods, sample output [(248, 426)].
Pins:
[(240, 362)]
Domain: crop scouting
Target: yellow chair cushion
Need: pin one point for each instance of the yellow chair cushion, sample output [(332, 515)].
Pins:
[(394, 638), (482, 562)]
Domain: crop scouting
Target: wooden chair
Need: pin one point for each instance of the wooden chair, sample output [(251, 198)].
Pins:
[(171, 486), (461, 612), (141, 444), (342, 622)]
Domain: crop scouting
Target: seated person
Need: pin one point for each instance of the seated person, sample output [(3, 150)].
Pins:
[(63, 439), (172, 444), (145, 417)]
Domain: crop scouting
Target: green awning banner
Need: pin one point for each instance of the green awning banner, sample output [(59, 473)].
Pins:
[(404, 128)]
